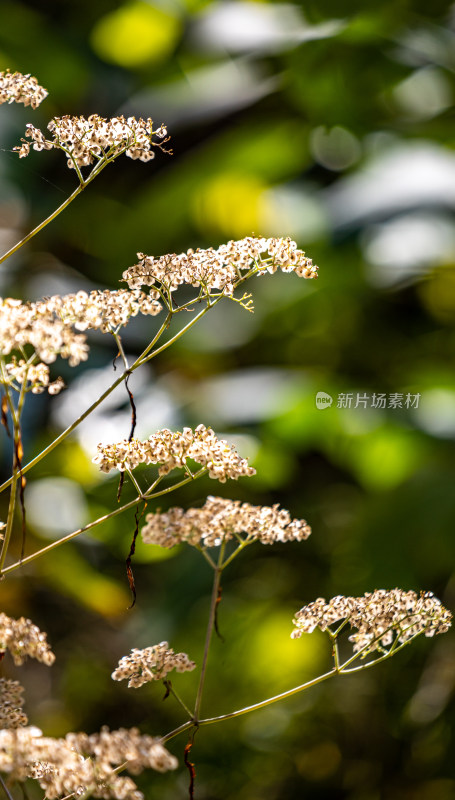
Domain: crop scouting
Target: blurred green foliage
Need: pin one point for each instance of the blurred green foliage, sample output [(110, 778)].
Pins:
[(332, 123)]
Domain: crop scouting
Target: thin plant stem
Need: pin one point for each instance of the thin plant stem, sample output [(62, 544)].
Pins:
[(9, 521), (69, 536), (134, 482), (172, 691), (82, 185), (143, 360), (43, 224), (238, 550), (119, 344), (269, 700), (282, 696), (100, 520), (5, 789), (204, 553), (15, 417), (210, 626), (183, 727)]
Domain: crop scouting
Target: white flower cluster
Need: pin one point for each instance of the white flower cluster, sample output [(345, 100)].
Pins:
[(24, 324), (220, 269), (18, 88), (89, 140), (22, 638), (151, 664), (47, 325), (11, 700), (219, 520), (82, 764), (172, 450), (379, 617), (101, 309), (35, 377)]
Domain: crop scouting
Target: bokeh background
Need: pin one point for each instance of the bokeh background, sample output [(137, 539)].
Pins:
[(333, 123)]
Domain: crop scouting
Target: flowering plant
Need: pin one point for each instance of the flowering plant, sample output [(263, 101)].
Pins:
[(33, 335)]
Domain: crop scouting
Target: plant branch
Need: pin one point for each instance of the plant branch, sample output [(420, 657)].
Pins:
[(100, 520), (210, 626), (142, 359)]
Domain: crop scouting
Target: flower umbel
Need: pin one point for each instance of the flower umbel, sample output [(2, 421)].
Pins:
[(22, 638), (219, 270), (34, 377), (380, 617), (82, 764), (33, 324), (18, 88), (93, 139), (47, 326), (151, 664), (11, 713), (221, 519), (173, 450)]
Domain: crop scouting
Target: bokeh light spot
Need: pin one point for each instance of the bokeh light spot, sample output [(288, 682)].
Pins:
[(135, 34)]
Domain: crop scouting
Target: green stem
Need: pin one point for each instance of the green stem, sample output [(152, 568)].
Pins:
[(69, 536), (248, 709), (82, 185), (282, 696), (172, 691), (5, 789), (238, 550), (15, 417), (269, 700), (177, 336), (98, 521), (9, 521), (43, 224), (210, 626)]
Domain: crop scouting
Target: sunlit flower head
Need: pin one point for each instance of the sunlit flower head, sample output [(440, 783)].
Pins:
[(86, 141), (18, 88), (22, 638), (82, 764), (11, 700), (172, 450), (379, 618), (220, 520), (151, 664), (221, 269)]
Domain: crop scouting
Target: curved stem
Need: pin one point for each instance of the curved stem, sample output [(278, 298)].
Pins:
[(210, 626)]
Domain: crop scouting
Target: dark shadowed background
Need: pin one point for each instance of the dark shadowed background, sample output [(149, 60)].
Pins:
[(333, 123)]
